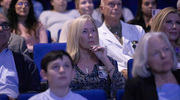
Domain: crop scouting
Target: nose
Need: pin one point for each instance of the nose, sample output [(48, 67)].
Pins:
[(174, 25), (163, 55), (90, 34), (61, 69), (1, 29)]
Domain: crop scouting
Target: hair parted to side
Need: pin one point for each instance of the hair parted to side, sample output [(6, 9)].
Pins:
[(74, 33), (159, 19), (53, 55), (141, 57)]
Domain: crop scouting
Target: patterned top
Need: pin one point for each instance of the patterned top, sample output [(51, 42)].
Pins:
[(94, 80)]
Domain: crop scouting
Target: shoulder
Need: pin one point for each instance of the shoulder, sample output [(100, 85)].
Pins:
[(40, 96), (78, 97)]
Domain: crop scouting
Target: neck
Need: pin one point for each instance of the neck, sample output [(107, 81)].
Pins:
[(112, 22), (61, 91), (146, 19), (21, 19), (172, 43), (161, 79), (86, 55), (60, 10)]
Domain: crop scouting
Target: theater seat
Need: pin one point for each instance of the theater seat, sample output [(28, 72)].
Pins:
[(120, 94), (4, 97), (41, 49), (25, 96), (94, 94), (129, 66)]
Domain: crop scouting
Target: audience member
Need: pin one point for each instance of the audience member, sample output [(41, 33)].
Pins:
[(94, 69), (54, 19), (4, 6), (57, 68), (144, 14), (83, 7), (38, 7), (154, 70), (168, 21), (18, 72), (24, 23), (118, 37)]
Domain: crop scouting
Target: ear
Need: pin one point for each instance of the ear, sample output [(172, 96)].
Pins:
[(101, 8), (43, 74)]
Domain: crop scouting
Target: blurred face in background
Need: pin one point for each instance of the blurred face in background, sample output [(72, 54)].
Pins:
[(5, 3), (85, 7), (147, 6), (111, 9), (59, 5), (22, 7), (171, 26)]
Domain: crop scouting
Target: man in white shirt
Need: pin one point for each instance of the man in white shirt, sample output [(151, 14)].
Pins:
[(118, 37)]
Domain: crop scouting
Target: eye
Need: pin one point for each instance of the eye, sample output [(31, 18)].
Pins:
[(67, 65), (20, 3), (155, 53), (85, 31), (166, 49), (178, 22), (146, 4), (55, 67)]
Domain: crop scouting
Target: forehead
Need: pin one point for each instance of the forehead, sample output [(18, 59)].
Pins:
[(88, 23), (156, 42), (107, 1), (143, 1), (173, 16), (22, 1)]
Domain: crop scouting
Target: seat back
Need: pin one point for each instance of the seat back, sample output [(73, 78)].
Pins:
[(94, 94), (129, 66), (120, 94), (25, 96), (59, 32), (41, 49), (4, 97), (48, 36)]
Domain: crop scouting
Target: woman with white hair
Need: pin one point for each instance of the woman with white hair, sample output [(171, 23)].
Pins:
[(154, 70)]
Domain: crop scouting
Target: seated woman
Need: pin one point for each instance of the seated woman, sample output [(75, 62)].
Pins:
[(83, 7), (94, 69), (55, 18), (144, 14), (154, 70), (23, 22), (168, 21)]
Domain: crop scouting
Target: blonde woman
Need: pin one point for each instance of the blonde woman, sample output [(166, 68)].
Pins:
[(94, 69)]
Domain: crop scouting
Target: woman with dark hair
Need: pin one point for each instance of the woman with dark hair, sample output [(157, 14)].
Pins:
[(23, 22), (144, 14)]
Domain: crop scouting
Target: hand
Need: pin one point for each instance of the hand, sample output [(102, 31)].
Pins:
[(100, 52), (124, 72)]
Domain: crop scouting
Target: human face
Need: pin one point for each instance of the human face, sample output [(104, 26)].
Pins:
[(147, 6), (85, 7), (111, 9), (89, 35), (22, 7), (59, 5), (160, 59), (6, 3), (59, 72), (4, 34), (171, 26)]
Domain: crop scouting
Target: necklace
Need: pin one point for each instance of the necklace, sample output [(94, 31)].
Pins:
[(87, 70)]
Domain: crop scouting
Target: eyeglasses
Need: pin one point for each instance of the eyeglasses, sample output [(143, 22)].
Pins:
[(26, 4), (5, 26)]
